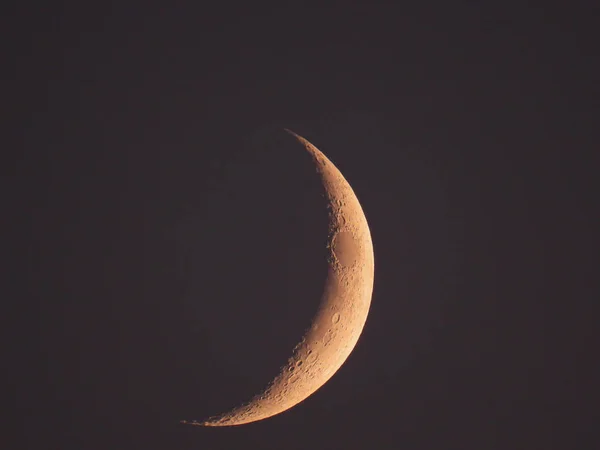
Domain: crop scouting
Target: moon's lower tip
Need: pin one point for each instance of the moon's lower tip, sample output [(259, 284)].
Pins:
[(196, 423)]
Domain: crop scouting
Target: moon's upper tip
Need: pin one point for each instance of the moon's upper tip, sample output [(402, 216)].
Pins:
[(291, 132), (302, 140)]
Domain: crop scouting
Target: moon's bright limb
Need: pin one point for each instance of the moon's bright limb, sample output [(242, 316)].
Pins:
[(341, 315)]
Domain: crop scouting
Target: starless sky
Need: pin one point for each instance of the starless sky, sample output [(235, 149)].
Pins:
[(168, 234)]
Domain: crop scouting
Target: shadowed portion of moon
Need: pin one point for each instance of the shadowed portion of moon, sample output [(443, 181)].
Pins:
[(341, 315)]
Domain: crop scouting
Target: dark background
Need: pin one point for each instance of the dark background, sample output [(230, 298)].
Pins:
[(164, 236)]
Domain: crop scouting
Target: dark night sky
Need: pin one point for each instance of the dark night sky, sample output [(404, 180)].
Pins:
[(166, 236)]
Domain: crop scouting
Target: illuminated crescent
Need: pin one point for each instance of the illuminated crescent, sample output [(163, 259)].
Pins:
[(342, 312)]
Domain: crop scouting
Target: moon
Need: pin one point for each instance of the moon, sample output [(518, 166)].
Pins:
[(341, 314)]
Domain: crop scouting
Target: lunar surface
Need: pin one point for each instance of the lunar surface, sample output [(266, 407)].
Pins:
[(341, 315)]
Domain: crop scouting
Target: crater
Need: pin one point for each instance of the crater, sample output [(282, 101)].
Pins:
[(345, 248)]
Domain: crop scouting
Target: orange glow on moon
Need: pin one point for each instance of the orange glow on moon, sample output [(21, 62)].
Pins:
[(341, 315)]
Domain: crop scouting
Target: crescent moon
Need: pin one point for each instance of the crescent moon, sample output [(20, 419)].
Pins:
[(341, 315)]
